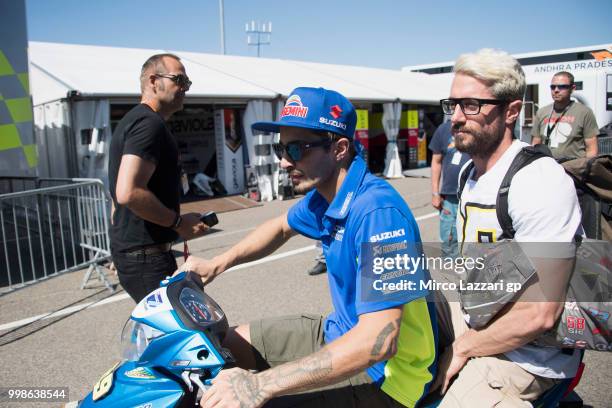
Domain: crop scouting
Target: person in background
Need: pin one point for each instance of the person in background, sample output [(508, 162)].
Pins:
[(567, 127), (320, 266), (145, 181), (446, 162)]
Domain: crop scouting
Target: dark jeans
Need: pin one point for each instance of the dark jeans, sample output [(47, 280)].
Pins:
[(140, 274)]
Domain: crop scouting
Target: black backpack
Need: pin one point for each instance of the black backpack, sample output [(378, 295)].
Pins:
[(585, 321), (592, 179)]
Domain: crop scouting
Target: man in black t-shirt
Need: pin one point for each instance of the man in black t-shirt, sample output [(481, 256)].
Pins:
[(145, 181)]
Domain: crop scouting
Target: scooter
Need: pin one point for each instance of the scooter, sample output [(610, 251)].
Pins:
[(171, 349)]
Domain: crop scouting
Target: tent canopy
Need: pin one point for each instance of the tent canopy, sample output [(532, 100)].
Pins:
[(96, 71)]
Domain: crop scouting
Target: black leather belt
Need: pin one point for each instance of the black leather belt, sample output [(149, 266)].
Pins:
[(151, 249)]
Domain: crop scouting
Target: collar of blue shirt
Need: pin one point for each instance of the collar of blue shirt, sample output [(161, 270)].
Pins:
[(340, 206)]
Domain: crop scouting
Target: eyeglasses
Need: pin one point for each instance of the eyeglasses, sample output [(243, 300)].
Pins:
[(295, 150), (469, 106), (561, 87), (180, 79)]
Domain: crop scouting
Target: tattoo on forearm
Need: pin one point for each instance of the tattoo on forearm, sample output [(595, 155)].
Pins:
[(247, 389), (304, 374), (314, 370)]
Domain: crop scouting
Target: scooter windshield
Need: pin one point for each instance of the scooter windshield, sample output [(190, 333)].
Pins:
[(135, 337)]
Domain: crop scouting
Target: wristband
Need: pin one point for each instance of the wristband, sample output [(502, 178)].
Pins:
[(177, 221), (435, 194)]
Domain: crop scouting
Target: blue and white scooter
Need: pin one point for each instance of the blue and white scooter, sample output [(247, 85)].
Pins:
[(171, 348)]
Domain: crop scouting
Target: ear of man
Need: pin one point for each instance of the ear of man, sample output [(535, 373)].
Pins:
[(148, 84), (513, 111), (341, 148)]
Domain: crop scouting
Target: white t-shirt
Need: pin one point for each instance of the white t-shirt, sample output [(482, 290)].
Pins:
[(543, 205)]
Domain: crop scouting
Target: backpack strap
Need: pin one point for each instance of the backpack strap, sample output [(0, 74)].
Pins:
[(526, 156), (463, 178)]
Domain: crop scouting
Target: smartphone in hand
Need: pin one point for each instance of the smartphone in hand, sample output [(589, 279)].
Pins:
[(209, 218)]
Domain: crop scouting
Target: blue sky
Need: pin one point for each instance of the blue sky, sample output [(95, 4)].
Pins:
[(377, 33)]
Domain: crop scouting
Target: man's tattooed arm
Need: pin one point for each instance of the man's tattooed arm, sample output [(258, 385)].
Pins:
[(368, 343), (246, 388), (385, 345), (373, 339), (307, 373)]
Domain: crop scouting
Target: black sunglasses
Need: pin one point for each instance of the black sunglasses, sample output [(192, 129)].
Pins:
[(295, 150), (180, 79), (469, 106), (561, 87)]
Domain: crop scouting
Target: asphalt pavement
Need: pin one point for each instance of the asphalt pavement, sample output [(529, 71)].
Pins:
[(75, 345)]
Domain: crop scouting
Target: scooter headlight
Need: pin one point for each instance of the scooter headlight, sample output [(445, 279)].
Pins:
[(135, 338)]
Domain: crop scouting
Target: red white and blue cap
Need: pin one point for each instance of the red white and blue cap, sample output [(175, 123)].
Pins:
[(317, 109)]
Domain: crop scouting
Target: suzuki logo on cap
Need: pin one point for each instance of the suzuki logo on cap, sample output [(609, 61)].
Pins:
[(294, 107), (333, 123), (335, 111)]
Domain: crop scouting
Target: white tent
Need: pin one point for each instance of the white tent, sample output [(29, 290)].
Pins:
[(416, 88), (112, 71), (98, 73)]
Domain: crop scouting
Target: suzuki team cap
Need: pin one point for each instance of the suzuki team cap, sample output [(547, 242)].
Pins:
[(316, 109)]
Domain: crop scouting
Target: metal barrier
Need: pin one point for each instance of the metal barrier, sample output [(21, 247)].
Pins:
[(19, 184), (604, 145), (50, 230)]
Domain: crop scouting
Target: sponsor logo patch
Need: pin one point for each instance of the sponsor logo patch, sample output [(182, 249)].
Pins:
[(294, 107), (346, 203), (338, 233), (154, 300), (575, 325), (335, 111), (379, 250), (142, 373), (333, 123), (388, 235)]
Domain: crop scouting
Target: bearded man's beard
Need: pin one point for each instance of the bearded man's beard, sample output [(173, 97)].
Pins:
[(480, 144)]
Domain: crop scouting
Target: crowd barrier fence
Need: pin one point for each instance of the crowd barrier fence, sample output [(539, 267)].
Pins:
[(52, 226)]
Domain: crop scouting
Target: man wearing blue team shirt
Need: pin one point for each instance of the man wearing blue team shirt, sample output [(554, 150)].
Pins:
[(376, 349)]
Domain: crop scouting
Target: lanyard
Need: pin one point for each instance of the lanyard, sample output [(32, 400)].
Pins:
[(549, 129)]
